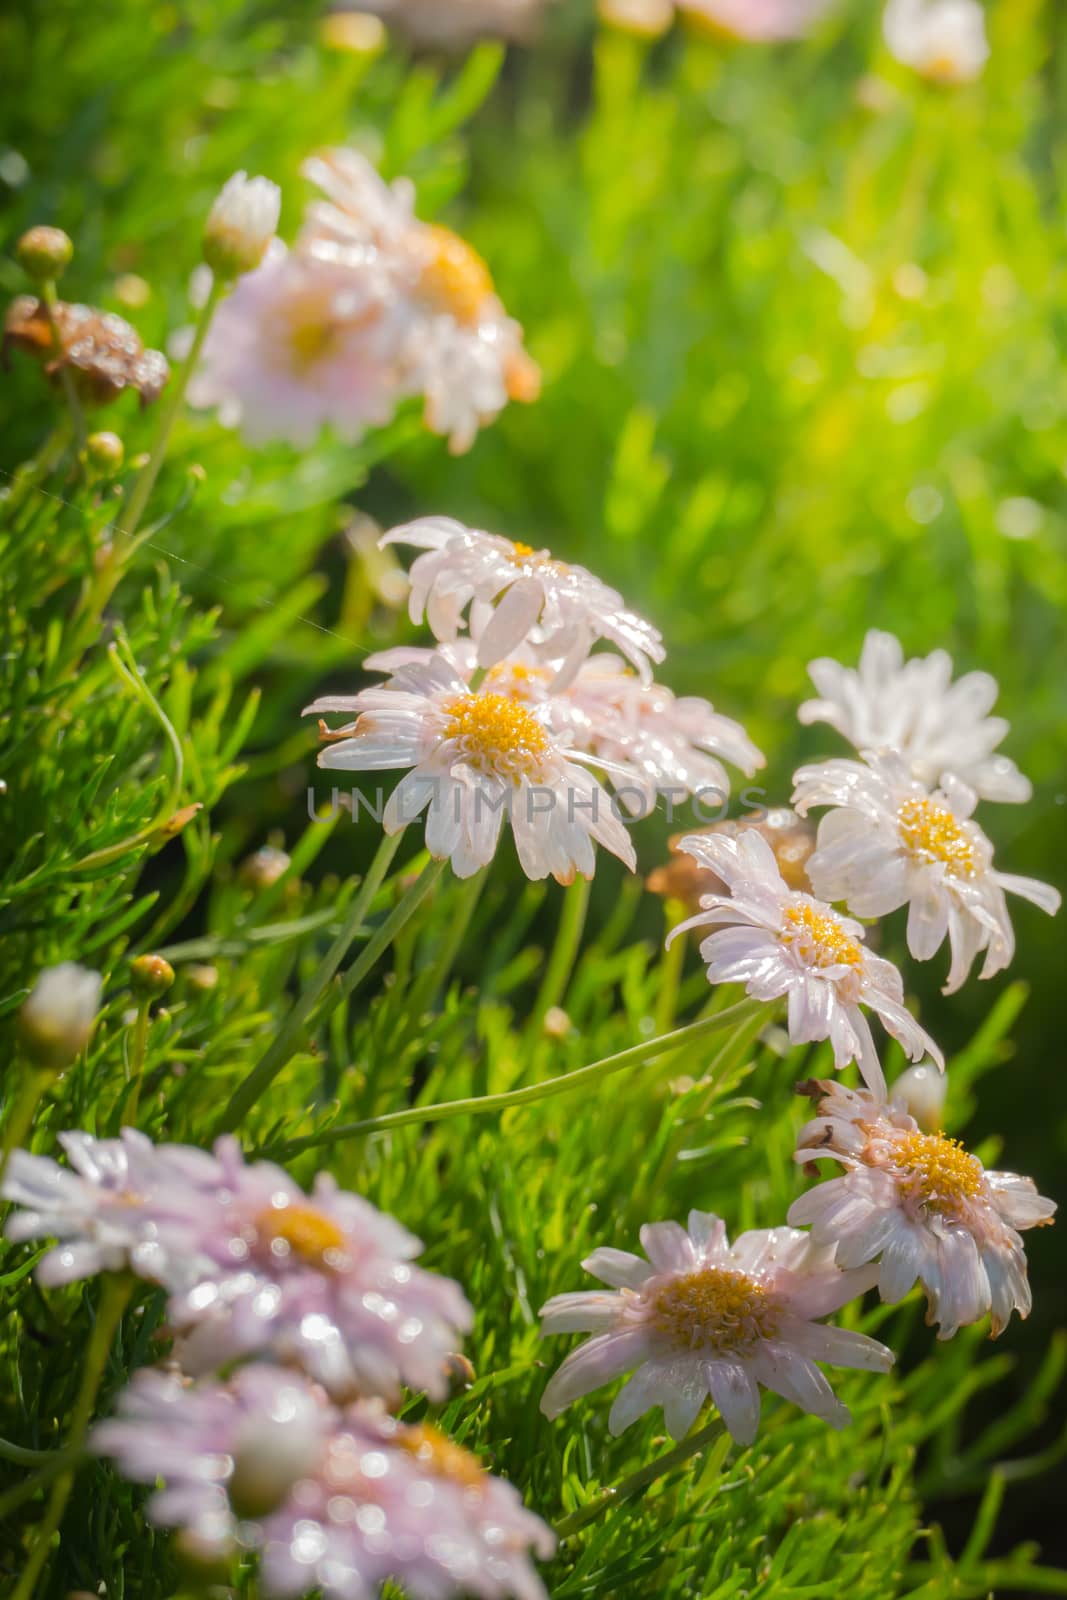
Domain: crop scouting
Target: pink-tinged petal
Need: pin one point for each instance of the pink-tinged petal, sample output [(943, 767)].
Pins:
[(708, 1233), (649, 1386), (1039, 894), (668, 1247), (618, 1268), (840, 1347), (593, 1364), (737, 1398), (904, 1259), (584, 1311), (70, 1263), (1018, 1201), (793, 1376), (927, 919), (511, 621)]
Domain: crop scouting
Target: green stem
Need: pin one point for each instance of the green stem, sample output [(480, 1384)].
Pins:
[(77, 415), (564, 954), (135, 1065), (22, 1114), (168, 414), (271, 1063), (24, 1457), (113, 1303), (670, 971), (478, 1105), (60, 1460), (35, 471), (636, 1481)]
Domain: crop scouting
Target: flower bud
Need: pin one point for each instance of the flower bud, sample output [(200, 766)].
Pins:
[(240, 225), (151, 976), (274, 1451), (105, 452), (44, 253), (921, 1091), (56, 1019), (263, 869)]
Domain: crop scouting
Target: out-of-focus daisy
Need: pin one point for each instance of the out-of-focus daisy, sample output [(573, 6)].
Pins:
[(783, 943), (453, 23), (764, 21), (944, 40), (451, 338), (122, 1205), (370, 307), (297, 346), (651, 741), (223, 1451), (701, 1317), (322, 1280), (515, 592), (474, 757), (914, 707), (890, 841), (339, 1501), (241, 224), (923, 1205)]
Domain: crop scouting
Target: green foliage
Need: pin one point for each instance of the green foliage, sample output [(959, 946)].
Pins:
[(802, 376)]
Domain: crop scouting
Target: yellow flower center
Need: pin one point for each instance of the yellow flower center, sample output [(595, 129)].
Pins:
[(455, 278), (524, 555), (435, 1451), (309, 1234), (497, 734), (517, 679), (715, 1309), (942, 68), (930, 833), (819, 939), (939, 1171)]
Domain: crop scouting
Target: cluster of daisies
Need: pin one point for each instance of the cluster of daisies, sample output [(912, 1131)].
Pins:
[(369, 307), (503, 717), (315, 1309)]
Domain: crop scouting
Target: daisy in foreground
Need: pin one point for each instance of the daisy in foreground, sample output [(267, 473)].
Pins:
[(890, 841), (915, 708), (339, 1501), (701, 1317), (515, 593), (780, 942), (921, 1203), (475, 756)]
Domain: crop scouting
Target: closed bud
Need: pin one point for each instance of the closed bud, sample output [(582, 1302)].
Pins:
[(56, 1020), (151, 976), (240, 225), (921, 1091), (263, 869), (44, 253), (105, 453)]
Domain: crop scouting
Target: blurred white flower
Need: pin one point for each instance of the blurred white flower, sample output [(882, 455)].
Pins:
[(702, 1317), (56, 1019), (782, 943), (241, 224), (914, 707), (890, 841), (923, 1205), (944, 40)]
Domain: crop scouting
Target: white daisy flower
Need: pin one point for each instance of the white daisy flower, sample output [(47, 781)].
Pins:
[(650, 741), (701, 1317), (780, 942), (474, 757), (913, 706), (944, 40), (923, 1205), (241, 224), (891, 842), (517, 590)]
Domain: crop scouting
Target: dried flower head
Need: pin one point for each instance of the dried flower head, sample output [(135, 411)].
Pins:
[(101, 351)]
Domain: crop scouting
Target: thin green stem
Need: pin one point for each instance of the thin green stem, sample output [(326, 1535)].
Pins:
[(22, 1456), (49, 299), (479, 1105), (23, 1112), (639, 1480), (670, 972), (564, 953), (59, 1461), (170, 406), (116, 1294), (135, 1062), (274, 1059)]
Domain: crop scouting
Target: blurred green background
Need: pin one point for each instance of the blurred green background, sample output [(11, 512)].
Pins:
[(800, 318)]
